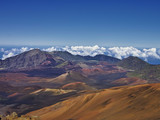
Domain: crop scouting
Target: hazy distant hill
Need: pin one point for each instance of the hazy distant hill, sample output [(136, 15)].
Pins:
[(133, 63), (141, 69)]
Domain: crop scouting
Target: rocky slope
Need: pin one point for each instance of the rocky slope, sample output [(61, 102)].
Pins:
[(30, 59)]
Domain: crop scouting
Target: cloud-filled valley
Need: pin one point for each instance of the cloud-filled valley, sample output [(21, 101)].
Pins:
[(151, 55)]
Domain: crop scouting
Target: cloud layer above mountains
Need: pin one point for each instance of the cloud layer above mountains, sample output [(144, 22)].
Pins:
[(151, 55), (85, 50), (12, 52)]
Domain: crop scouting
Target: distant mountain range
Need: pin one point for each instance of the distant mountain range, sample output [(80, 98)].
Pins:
[(36, 79), (36, 58), (151, 55), (41, 62)]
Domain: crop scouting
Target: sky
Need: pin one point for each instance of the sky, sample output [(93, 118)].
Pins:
[(80, 22)]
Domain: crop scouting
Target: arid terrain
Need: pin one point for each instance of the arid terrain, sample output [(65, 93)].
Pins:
[(139, 102), (61, 86)]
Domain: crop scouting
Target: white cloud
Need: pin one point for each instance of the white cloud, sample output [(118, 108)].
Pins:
[(152, 52), (85, 50), (50, 49), (123, 52), (14, 51), (23, 49), (10, 54)]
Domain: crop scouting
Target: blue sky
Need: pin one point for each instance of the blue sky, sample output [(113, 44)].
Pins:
[(80, 22)]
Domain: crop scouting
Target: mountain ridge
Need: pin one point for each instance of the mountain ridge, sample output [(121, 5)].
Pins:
[(36, 58), (133, 63)]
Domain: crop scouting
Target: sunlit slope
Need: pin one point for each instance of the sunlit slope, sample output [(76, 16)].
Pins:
[(140, 102), (69, 77), (77, 86)]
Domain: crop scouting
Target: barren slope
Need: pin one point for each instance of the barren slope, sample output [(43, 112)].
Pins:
[(140, 102)]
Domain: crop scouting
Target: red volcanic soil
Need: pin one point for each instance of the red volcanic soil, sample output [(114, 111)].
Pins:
[(100, 69), (13, 95), (129, 81), (19, 78), (46, 63)]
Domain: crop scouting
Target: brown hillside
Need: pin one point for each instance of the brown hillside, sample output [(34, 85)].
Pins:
[(69, 77), (140, 102), (77, 86), (129, 81)]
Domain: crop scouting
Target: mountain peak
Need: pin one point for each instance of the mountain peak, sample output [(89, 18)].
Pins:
[(36, 58), (33, 51), (36, 49), (134, 63), (136, 60), (30, 59)]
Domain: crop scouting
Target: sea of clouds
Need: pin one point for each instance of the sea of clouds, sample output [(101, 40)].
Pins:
[(151, 55)]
